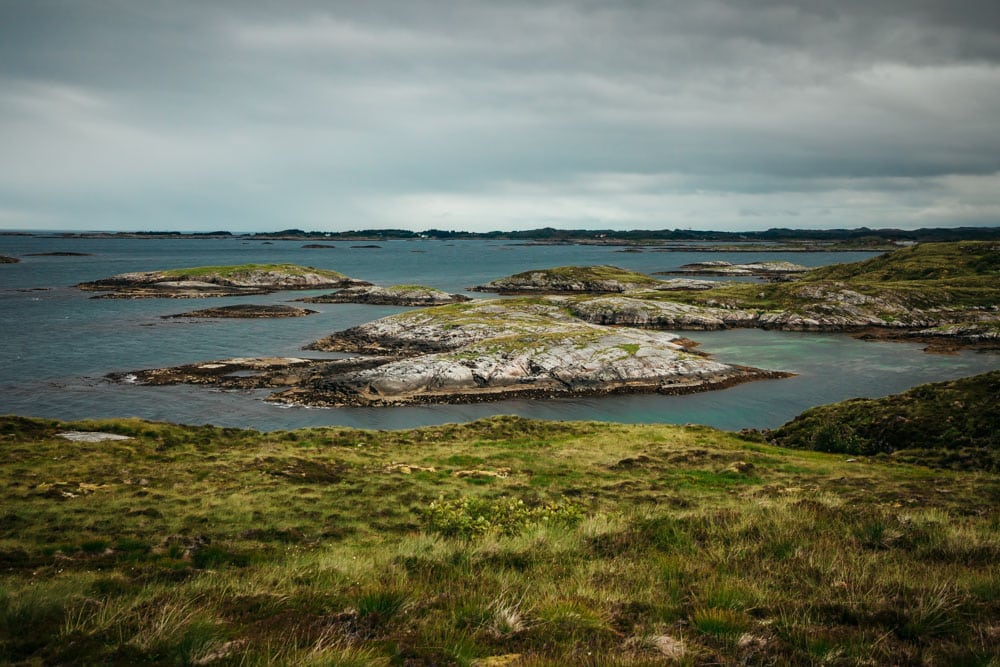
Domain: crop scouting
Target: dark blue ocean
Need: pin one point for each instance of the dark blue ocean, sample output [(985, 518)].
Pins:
[(57, 344)]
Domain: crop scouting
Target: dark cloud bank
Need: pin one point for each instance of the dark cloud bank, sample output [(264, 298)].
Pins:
[(488, 115)]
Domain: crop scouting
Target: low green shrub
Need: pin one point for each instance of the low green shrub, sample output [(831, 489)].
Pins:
[(469, 517)]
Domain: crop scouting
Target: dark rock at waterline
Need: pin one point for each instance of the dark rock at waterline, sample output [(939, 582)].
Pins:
[(59, 254), (8, 260), (247, 311), (397, 295)]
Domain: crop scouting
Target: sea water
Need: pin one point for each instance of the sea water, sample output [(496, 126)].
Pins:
[(57, 343)]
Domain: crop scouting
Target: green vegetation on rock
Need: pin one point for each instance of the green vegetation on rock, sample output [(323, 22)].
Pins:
[(563, 542), (915, 289), (601, 278), (953, 424), (238, 271)]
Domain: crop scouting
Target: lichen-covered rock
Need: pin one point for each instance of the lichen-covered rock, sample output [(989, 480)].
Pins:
[(637, 312), (684, 284), (580, 279), (450, 327), (768, 268), (588, 360)]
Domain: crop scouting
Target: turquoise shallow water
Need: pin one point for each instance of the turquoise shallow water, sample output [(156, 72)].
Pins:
[(57, 343)]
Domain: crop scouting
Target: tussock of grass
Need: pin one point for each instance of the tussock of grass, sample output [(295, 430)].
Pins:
[(605, 544)]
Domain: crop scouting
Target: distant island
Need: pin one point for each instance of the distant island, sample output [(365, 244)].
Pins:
[(205, 281), (775, 239)]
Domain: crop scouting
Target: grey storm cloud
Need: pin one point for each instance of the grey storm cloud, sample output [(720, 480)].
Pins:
[(484, 115)]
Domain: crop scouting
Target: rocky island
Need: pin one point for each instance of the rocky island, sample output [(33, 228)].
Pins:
[(4, 259), (207, 281), (773, 269), (477, 351), (944, 293), (396, 295), (247, 311), (570, 279)]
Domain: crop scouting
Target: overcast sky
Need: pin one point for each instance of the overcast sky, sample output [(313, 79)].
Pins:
[(480, 115)]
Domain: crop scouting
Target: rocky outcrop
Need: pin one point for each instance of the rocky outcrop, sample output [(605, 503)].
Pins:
[(820, 306), (476, 351), (765, 269), (563, 279), (247, 279), (4, 259), (684, 284), (247, 311), (637, 312), (451, 327), (397, 295), (591, 361), (247, 373)]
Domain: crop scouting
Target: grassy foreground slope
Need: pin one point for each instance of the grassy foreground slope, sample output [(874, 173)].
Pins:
[(499, 542), (953, 424)]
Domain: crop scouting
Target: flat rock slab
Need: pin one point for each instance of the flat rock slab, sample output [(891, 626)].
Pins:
[(91, 436), (684, 284), (247, 311), (764, 269)]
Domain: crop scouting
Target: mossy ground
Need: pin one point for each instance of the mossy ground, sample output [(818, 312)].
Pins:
[(565, 543)]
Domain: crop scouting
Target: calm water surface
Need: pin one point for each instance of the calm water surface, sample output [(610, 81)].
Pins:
[(57, 343)]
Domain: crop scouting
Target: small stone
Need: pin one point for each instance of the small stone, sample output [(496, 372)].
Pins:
[(669, 647), (91, 436)]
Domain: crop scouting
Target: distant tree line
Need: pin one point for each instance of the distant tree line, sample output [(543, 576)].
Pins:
[(570, 235)]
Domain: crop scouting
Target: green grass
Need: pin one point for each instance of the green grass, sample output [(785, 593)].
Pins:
[(601, 544), (589, 276), (236, 270)]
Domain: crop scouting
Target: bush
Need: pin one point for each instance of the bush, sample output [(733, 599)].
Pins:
[(468, 517)]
